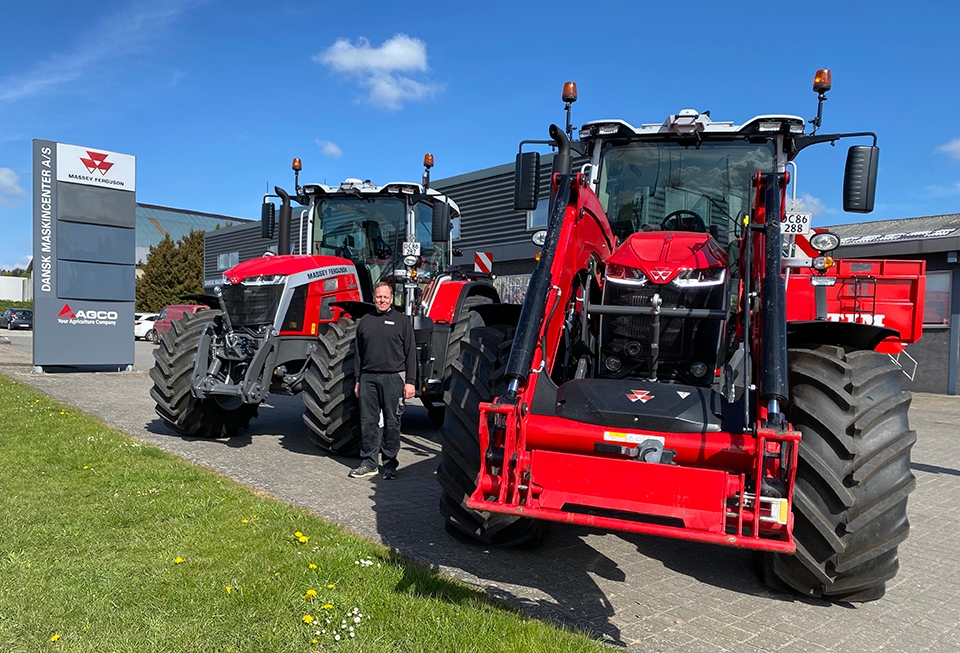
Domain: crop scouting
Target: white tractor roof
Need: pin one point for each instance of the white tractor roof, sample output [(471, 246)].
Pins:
[(352, 186), (689, 121)]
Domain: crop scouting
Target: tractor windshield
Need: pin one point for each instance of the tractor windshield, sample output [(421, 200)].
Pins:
[(370, 231), (704, 187)]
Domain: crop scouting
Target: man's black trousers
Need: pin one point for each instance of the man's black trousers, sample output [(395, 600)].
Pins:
[(380, 392)]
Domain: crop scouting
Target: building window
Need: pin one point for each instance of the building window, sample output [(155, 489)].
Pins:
[(936, 302), (225, 261)]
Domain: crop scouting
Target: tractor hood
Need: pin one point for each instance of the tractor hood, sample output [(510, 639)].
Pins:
[(662, 255), (281, 265)]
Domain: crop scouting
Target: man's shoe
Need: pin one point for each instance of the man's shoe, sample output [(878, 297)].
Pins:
[(389, 475), (363, 471)]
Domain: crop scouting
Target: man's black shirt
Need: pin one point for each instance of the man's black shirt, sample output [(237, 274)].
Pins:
[(386, 343)]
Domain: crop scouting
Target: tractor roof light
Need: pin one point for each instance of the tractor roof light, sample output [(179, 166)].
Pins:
[(822, 81), (428, 160), (570, 92), (296, 166)]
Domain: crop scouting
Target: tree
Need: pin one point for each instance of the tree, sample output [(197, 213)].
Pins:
[(171, 271)]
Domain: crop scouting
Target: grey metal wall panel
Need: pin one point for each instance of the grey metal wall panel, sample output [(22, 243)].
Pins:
[(244, 239), (96, 243), (95, 281), (79, 203)]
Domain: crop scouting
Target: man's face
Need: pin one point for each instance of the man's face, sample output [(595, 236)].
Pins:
[(382, 298)]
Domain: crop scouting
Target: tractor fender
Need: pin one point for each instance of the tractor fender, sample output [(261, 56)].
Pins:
[(450, 296), (849, 335), (355, 309)]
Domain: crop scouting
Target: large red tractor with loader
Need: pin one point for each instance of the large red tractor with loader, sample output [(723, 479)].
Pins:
[(285, 323), (689, 363)]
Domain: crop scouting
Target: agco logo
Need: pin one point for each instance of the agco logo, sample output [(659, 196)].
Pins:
[(97, 161), (86, 317)]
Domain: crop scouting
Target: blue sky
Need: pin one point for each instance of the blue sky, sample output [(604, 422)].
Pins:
[(214, 98)]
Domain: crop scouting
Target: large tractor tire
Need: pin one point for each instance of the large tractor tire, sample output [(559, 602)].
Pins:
[(171, 374), (853, 476), (461, 325), (477, 376), (331, 409)]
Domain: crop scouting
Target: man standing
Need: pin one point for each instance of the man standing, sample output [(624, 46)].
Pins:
[(387, 353)]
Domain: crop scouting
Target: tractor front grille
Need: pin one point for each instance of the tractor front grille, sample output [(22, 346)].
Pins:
[(683, 341), (252, 306)]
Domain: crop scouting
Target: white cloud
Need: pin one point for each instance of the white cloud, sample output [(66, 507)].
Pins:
[(9, 185), (329, 148), (116, 36), (813, 205), (952, 148), (377, 68), (944, 190)]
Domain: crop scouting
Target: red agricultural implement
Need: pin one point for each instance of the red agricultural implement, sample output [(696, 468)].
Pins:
[(285, 323), (672, 372)]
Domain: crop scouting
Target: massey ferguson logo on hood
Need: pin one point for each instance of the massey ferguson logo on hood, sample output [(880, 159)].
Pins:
[(102, 318), (643, 396), (661, 274), (97, 161)]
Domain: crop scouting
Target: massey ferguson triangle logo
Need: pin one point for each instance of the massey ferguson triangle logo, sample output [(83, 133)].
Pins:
[(97, 161), (66, 313), (642, 395), (660, 274)]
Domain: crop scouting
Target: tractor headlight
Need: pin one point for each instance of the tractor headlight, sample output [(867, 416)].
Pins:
[(701, 277), (825, 242), (622, 274)]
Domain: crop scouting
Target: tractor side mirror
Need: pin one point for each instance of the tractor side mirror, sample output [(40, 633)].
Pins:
[(441, 222), (455, 228), (526, 182), (860, 178), (268, 219)]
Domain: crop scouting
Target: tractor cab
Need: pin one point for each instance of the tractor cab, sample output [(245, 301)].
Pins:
[(398, 233)]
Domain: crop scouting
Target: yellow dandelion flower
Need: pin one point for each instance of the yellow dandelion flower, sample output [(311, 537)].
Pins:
[(303, 539), (307, 619), (313, 641), (312, 566), (310, 594), (228, 588), (330, 586), (177, 560), (244, 521), (55, 637), (298, 534), (86, 466), (327, 606)]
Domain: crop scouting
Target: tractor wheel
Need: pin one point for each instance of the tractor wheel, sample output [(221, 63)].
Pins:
[(461, 325), (171, 375), (477, 376), (853, 475), (331, 410)]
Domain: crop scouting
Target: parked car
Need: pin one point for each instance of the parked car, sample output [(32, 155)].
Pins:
[(16, 318), (169, 315), (143, 325)]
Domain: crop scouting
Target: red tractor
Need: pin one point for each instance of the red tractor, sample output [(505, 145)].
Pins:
[(672, 372), (285, 323)]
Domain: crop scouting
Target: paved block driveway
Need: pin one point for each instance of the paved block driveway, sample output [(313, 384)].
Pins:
[(644, 593)]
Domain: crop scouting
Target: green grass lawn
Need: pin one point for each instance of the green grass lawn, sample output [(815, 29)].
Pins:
[(109, 545)]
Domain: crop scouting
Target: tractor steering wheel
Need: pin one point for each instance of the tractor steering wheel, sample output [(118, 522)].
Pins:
[(684, 220)]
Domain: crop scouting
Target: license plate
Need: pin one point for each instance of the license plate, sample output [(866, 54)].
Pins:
[(795, 222), (411, 249)]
